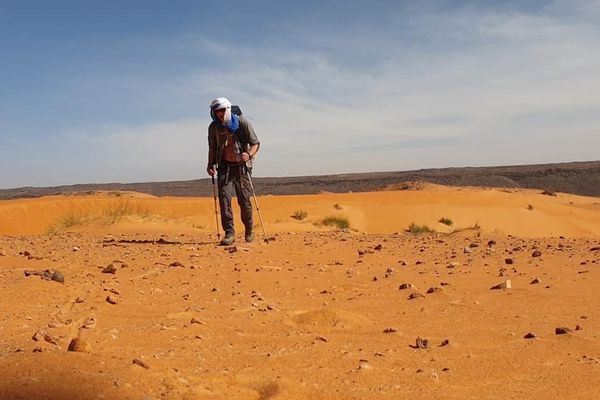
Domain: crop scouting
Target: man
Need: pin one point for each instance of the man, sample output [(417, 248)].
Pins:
[(232, 145)]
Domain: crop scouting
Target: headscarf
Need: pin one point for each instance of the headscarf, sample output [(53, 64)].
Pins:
[(230, 121)]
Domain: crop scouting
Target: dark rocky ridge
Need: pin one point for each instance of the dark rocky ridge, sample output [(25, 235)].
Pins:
[(581, 178)]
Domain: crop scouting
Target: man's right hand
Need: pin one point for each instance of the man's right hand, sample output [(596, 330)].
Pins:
[(211, 170)]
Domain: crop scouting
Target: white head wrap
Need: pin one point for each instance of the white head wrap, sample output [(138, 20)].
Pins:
[(220, 103)]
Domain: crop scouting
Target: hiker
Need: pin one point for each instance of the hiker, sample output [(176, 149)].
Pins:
[(232, 145)]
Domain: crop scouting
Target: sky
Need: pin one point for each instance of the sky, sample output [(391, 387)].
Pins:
[(119, 91)]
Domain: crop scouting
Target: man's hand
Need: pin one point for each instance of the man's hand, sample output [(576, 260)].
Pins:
[(211, 170), (245, 156)]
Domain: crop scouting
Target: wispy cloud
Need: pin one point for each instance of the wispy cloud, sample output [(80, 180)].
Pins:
[(462, 86)]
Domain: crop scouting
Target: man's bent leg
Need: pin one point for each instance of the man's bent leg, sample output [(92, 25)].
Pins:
[(243, 192)]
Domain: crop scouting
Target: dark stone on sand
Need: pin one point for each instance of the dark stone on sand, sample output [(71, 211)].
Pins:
[(509, 261), (561, 330), (405, 286), (57, 276), (141, 363), (80, 345), (534, 281), (421, 343), (529, 336), (415, 295), (109, 269), (536, 253)]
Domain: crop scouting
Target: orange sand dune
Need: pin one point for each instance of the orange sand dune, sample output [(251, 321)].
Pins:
[(524, 213)]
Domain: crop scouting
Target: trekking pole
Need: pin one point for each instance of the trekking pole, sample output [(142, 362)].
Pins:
[(256, 203), (216, 212)]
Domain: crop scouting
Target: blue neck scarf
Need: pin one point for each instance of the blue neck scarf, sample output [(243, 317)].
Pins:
[(233, 124)]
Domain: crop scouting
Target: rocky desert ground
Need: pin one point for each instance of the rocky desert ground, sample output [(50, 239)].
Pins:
[(128, 296)]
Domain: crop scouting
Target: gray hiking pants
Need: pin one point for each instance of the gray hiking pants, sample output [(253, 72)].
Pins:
[(233, 177)]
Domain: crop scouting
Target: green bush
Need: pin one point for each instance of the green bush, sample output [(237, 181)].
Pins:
[(337, 221), (300, 215), (417, 229), (446, 221)]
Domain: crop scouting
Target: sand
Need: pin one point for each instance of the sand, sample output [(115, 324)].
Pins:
[(317, 312)]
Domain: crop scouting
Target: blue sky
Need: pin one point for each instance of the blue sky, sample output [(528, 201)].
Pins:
[(118, 91)]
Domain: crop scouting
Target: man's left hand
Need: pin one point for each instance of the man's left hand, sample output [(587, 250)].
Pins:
[(245, 156)]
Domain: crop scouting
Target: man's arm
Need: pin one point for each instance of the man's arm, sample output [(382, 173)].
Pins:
[(212, 151)]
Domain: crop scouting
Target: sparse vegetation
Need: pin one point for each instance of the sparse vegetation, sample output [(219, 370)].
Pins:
[(418, 229), (337, 221), (111, 214), (337, 206), (549, 193), (446, 221), (122, 208), (300, 215)]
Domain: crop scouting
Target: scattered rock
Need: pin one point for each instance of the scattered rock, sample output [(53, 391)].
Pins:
[(415, 295), (390, 330), (176, 264), (141, 363), (80, 345), (75, 248), (491, 242), (322, 338), (508, 261), (445, 342), (2, 253), (196, 321), (43, 335), (111, 299), (536, 253), (561, 330), (453, 264), (57, 276), (535, 281), (405, 286), (592, 249), (364, 364), (109, 269), (379, 247), (434, 289), (529, 336), (504, 285), (421, 343)]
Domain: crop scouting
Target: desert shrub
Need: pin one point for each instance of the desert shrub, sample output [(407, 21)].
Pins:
[(549, 193), (337, 221), (300, 215), (417, 229), (337, 206), (122, 208), (446, 221)]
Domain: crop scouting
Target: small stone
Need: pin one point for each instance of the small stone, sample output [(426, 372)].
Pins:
[(508, 261), (141, 363), (536, 253), (535, 281), (176, 264), (2, 253), (405, 286), (529, 336), (80, 345), (390, 330), (196, 321), (504, 285), (491, 242), (232, 249), (75, 248), (378, 247), (421, 343), (445, 342), (57, 276), (43, 335), (453, 264), (561, 330), (434, 289), (364, 364), (322, 338), (111, 299), (578, 328), (109, 269), (415, 295), (79, 300)]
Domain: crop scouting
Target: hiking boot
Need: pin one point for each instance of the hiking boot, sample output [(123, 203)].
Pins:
[(228, 239), (249, 236)]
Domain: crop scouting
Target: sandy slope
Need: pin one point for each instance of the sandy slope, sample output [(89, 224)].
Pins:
[(315, 313), (524, 213)]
